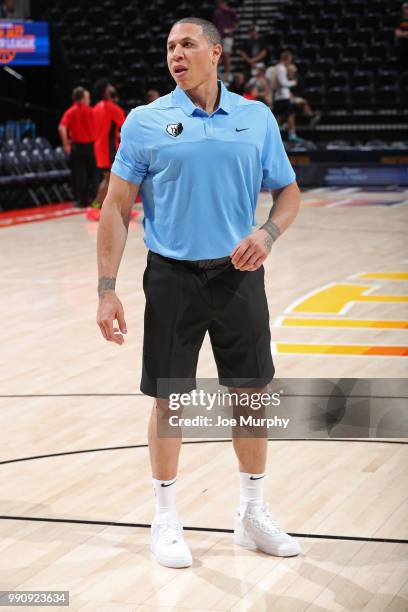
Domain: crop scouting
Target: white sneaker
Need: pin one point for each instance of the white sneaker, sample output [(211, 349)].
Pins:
[(167, 543), (256, 529)]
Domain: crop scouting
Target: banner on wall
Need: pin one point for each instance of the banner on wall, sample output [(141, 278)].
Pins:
[(24, 43)]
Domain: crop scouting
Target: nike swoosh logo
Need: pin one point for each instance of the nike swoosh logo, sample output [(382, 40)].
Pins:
[(252, 478), (241, 130), (168, 485)]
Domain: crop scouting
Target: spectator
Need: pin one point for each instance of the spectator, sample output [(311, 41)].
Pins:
[(238, 83), (226, 20), (9, 11), (401, 37), (251, 92), (284, 108), (300, 102), (77, 132), (254, 48), (262, 84), (109, 118), (152, 95)]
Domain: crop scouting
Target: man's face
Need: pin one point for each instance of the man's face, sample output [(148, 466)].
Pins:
[(87, 98), (190, 58)]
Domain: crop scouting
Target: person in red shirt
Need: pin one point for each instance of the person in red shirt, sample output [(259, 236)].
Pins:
[(109, 118), (77, 132), (251, 91)]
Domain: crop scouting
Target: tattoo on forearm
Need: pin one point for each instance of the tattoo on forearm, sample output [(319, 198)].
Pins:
[(105, 283)]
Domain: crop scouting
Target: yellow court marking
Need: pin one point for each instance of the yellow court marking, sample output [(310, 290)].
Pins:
[(402, 276), (335, 322), (338, 298), (342, 349)]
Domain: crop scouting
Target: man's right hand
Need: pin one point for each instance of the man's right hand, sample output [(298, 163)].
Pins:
[(67, 148), (110, 308)]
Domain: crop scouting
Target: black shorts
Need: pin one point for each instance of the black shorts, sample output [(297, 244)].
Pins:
[(283, 108), (183, 302)]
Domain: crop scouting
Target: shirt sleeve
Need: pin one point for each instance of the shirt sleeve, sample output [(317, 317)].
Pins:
[(131, 162), (282, 76), (277, 171)]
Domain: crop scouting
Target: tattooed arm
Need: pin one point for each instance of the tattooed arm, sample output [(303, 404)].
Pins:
[(112, 234), (252, 251)]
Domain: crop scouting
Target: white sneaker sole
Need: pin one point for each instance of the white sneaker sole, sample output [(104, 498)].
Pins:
[(171, 561), (242, 538)]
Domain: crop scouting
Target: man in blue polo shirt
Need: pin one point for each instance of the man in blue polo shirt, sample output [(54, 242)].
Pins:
[(199, 156)]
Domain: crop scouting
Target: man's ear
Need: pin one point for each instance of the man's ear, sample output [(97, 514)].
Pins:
[(217, 52)]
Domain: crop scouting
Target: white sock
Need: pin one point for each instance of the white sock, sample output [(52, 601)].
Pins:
[(251, 490), (165, 494)]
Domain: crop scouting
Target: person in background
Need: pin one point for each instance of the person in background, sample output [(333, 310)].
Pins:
[(401, 37), (237, 84), (284, 109), (226, 20), (299, 101), (109, 117), (8, 10), (251, 92), (254, 49), (77, 133), (262, 84), (152, 95)]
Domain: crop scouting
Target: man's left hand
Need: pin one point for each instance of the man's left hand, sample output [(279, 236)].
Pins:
[(251, 252)]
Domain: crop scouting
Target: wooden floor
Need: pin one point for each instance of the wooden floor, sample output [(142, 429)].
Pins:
[(73, 426)]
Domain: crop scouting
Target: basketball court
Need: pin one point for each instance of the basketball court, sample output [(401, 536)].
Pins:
[(76, 498)]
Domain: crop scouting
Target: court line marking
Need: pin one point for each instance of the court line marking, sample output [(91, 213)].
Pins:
[(319, 536), (307, 321), (313, 292), (329, 350), (384, 276), (388, 397), (213, 441), (64, 281)]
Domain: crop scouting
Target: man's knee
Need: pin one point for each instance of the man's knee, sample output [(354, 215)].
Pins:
[(161, 407)]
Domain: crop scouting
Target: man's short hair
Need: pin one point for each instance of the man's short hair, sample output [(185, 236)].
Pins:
[(100, 88), (210, 31), (286, 55), (78, 94)]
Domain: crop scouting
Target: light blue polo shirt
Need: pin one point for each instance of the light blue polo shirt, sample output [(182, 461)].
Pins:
[(201, 174)]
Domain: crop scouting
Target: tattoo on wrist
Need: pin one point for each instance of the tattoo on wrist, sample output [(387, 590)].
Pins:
[(272, 229), (104, 284), (268, 243)]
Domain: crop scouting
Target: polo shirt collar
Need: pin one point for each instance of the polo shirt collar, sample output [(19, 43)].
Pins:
[(188, 107)]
